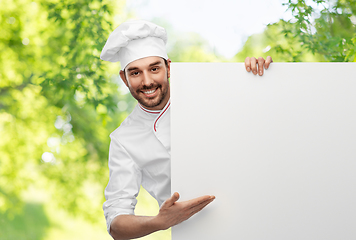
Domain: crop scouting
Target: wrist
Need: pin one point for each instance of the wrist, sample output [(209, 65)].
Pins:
[(158, 224)]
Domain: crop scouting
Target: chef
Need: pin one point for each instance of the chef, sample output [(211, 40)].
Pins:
[(140, 148)]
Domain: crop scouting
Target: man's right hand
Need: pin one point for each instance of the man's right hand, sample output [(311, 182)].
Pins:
[(172, 212), (125, 227)]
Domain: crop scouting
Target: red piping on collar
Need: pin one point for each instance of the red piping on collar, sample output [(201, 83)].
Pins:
[(154, 126), (147, 110)]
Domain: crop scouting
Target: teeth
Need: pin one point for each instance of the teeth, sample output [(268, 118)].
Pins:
[(149, 92)]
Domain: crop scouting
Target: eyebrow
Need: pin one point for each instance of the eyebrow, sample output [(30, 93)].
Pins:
[(132, 68), (152, 64), (155, 63)]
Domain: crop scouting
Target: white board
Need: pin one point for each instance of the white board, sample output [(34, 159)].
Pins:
[(278, 151)]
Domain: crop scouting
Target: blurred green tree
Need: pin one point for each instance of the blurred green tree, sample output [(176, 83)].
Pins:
[(272, 42), (57, 99), (323, 27), (320, 30)]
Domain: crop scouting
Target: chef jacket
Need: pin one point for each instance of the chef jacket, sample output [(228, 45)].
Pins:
[(140, 152)]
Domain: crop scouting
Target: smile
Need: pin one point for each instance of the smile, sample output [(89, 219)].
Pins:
[(150, 92)]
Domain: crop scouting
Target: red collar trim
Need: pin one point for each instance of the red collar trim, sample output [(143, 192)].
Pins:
[(162, 112), (150, 111)]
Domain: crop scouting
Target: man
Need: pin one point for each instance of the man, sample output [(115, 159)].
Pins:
[(140, 147)]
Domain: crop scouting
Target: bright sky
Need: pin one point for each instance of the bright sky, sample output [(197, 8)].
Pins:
[(225, 24)]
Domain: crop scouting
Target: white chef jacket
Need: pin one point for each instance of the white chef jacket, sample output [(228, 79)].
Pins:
[(140, 153)]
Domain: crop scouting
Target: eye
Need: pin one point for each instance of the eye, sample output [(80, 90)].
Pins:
[(154, 69), (134, 73)]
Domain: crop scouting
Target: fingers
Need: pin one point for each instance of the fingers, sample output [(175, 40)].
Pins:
[(261, 62), (172, 212), (200, 207), (248, 64), (253, 65), (196, 205), (268, 61), (199, 202), (257, 66), (196, 202), (200, 199)]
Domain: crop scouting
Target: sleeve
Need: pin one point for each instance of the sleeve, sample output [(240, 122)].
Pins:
[(124, 183)]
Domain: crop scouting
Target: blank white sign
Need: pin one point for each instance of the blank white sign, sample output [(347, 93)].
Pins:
[(278, 151)]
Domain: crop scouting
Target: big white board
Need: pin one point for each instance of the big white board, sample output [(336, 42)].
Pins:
[(278, 151)]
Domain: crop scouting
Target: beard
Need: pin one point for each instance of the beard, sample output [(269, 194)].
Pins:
[(151, 102)]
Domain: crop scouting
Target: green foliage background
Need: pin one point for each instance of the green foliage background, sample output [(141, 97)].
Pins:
[(59, 102), (319, 31)]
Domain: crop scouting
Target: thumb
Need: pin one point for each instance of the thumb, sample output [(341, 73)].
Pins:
[(175, 196), (170, 201)]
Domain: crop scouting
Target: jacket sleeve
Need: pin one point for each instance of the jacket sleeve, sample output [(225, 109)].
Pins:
[(124, 183)]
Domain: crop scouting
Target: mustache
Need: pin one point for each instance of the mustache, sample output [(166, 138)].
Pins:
[(151, 86)]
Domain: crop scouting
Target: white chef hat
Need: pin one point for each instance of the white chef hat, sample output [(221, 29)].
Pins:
[(133, 40)]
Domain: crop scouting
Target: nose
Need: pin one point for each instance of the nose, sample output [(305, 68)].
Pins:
[(147, 79)]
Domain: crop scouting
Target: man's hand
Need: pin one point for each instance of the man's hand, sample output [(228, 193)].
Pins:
[(173, 212), (125, 227), (254, 65)]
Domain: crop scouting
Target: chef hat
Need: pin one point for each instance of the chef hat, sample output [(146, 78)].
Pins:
[(133, 40)]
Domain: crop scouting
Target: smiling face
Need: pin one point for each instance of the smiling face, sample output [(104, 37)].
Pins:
[(147, 80)]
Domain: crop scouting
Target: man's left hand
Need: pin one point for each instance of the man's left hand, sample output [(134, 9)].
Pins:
[(256, 65)]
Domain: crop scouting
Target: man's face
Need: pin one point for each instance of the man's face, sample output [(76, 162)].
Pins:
[(147, 80)]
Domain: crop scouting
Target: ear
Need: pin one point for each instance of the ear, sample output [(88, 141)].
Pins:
[(169, 68), (123, 77)]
